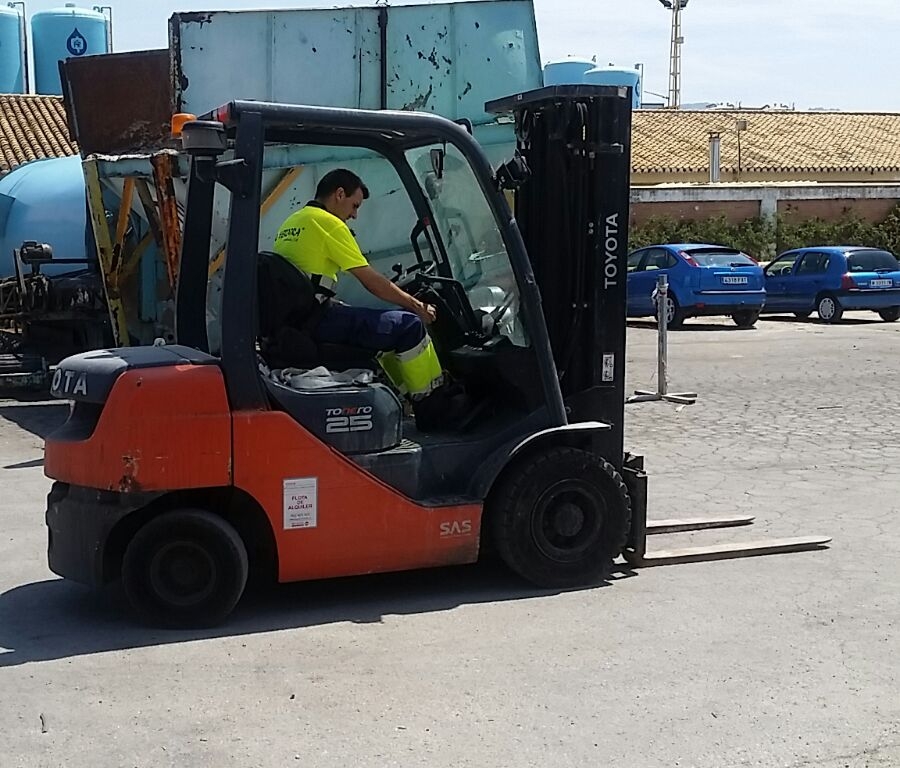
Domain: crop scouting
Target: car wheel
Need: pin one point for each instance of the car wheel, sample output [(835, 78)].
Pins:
[(560, 518), (802, 315), (889, 315), (675, 315), (746, 318), (185, 569), (829, 309)]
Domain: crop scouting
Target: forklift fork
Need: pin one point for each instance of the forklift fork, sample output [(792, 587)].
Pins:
[(636, 554)]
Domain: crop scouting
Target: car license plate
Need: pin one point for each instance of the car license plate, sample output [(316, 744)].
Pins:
[(734, 280), (881, 283)]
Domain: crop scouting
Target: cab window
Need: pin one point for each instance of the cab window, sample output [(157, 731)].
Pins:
[(782, 266)]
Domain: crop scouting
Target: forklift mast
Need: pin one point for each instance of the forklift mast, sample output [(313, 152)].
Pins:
[(573, 212)]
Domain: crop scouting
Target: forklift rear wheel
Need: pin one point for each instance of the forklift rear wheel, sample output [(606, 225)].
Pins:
[(890, 314), (561, 518), (184, 569)]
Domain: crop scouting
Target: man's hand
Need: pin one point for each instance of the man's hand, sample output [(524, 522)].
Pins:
[(380, 287), (426, 312)]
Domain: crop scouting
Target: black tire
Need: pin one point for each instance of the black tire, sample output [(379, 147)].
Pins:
[(674, 312), (802, 315), (745, 318), (829, 309), (535, 511), (889, 315), (185, 569)]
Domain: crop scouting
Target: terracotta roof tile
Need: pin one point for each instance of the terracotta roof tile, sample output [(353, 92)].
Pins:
[(32, 128), (670, 141), (664, 141)]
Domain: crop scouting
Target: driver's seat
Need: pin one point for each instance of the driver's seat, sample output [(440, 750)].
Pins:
[(287, 311)]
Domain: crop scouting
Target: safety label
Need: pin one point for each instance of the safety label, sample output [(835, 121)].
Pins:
[(300, 502), (609, 368)]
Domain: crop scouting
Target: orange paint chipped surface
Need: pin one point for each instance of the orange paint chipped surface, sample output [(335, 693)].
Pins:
[(161, 429)]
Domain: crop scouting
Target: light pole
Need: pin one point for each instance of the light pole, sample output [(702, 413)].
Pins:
[(676, 6)]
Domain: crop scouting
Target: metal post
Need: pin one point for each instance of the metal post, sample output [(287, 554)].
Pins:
[(715, 157), (23, 34), (662, 354), (105, 249), (662, 322)]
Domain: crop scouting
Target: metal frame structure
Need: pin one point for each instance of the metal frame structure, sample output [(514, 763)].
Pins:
[(253, 124)]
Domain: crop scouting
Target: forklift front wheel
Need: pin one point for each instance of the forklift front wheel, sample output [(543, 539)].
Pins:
[(185, 569), (561, 517)]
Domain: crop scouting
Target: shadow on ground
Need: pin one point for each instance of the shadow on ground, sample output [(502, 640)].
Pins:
[(845, 320), (57, 619), (40, 418), (690, 326)]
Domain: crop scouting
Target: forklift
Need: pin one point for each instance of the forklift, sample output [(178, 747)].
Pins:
[(183, 470)]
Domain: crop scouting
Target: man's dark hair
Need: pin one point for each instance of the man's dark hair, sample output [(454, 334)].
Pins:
[(340, 178)]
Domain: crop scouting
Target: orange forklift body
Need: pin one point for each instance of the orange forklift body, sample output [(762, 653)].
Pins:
[(357, 524), (186, 444), (361, 525)]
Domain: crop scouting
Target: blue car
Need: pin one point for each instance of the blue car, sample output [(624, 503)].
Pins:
[(703, 280), (829, 280)]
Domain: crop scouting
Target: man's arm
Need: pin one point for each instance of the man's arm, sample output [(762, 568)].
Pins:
[(382, 288)]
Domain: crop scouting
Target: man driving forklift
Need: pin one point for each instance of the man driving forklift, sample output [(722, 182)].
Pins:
[(317, 241)]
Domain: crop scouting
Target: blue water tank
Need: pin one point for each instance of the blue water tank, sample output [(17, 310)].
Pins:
[(616, 76), (12, 71), (44, 201), (62, 33), (568, 71)]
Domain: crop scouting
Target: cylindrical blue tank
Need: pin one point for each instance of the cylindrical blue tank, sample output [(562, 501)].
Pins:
[(44, 201), (616, 76), (568, 71), (12, 70), (62, 33)]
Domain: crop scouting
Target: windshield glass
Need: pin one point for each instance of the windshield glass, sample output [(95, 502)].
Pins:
[(871, 261), (721, 258), (476, 253)]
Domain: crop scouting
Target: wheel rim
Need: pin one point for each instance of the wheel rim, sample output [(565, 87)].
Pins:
[(183, 573), (826, 308), (567, 521), (670, 309)]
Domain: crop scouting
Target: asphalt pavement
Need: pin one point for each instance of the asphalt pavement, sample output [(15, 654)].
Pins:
[(788, 660)]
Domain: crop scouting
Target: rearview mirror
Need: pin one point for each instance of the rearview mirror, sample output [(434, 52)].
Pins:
[(513, 173)]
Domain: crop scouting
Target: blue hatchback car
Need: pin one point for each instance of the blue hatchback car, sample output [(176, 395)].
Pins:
[(829, 280), (703, 280)]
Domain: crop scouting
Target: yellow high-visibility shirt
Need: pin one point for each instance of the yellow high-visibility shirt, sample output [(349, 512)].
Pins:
[(318, 243)]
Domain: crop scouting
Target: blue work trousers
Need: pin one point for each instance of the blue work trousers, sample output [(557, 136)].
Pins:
[(380, 330)]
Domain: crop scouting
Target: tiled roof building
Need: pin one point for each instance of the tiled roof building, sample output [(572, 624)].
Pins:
[(668, 145), (673, 146), (32, 128)]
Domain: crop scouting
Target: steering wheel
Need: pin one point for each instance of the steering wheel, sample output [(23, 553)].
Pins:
[(404, 277)]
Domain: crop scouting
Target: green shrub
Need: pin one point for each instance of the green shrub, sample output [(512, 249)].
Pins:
[(753, 236), (762, 238)]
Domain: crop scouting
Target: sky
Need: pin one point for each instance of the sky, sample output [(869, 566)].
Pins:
[(838, 54)]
